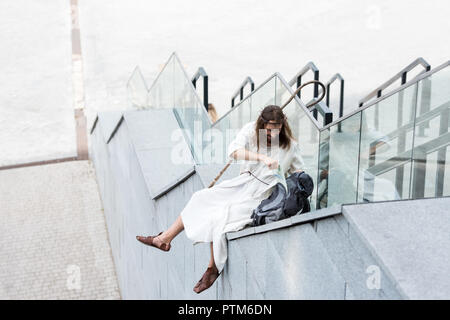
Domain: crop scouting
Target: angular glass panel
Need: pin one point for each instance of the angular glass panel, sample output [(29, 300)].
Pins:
[(137, 90), (220, 138), (241, 114), (245, 111), (190, 113), (338, 163), (161, 94), (263, 97)]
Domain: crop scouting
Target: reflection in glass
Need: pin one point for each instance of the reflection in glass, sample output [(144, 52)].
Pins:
[(431, 154), (385, 154)]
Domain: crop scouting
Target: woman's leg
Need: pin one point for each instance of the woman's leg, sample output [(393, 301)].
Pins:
[(209, 276), (212, 264), (168, 235)]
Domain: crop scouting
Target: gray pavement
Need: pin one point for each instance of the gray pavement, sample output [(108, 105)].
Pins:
[(53, 236)]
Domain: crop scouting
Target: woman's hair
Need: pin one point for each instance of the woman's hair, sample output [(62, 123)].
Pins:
[(212, 112), (273, 112)]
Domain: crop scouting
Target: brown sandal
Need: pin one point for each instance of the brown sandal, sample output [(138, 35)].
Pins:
[(207, 280), (149, 241)]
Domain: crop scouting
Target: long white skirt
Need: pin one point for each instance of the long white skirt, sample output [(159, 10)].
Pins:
[(227, 206)]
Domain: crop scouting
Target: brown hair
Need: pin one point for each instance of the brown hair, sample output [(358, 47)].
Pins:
[(273, 112), (212, 112)]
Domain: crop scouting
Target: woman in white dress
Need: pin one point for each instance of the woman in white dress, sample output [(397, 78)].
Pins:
[(262, 146)]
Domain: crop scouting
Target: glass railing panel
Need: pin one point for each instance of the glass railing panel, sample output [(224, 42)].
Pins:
[(161, 94), (263, 97), (230, 124), (190, 112), (431, 154), (222, 136), (245, 112), (338, 163), (385, 153), (174, 90), (137, 90), (241, 114), (307, 137)]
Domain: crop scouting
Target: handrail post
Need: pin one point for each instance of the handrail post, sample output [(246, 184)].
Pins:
[(205, 92), (337, 76), (298, 81), (316, 90), (202, 73), (240, 91)]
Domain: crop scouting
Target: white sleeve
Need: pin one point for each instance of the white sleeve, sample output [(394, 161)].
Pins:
[(297, 160), (242, 139)]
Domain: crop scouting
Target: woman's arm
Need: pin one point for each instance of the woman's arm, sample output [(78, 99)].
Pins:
[(244, 154)]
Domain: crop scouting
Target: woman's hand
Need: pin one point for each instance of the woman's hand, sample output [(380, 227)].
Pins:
[(271, 163), (244, 154)]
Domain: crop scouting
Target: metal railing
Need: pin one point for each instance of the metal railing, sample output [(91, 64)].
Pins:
[(334, 78), (202, 73), (240, 92), (297, 80), (400, 75), (324, 111)]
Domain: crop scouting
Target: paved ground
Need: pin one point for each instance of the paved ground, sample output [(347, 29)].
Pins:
[(53, 237)]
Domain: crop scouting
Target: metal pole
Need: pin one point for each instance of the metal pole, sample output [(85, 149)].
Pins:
[(205, 92)]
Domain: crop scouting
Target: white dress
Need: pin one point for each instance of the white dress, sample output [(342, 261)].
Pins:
[(227, 206)]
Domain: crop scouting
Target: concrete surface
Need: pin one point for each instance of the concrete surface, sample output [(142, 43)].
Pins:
[(410, 240)]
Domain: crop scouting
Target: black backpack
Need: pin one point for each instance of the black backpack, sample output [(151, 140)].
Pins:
[(282, 204)]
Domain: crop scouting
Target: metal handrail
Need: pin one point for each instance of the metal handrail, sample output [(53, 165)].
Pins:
[(309, 66), (323, 109), (202, 73), (240, 91), (416, 79), (297, 80), (337, 76), (400, 75)]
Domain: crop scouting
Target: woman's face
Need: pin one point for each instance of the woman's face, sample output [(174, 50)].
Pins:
[(272, 129)]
